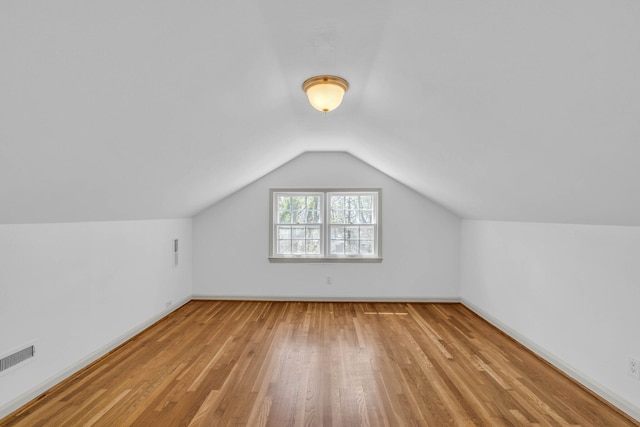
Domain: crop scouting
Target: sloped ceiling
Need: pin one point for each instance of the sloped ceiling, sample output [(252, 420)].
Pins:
[(503, 110)]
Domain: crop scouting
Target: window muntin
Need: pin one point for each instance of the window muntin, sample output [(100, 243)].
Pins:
[(325, 224)]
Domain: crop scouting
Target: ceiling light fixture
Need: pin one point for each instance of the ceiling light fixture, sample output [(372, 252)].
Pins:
[(325, 92)]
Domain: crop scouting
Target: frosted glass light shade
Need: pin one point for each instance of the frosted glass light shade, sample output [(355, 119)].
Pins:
[(325, 93)]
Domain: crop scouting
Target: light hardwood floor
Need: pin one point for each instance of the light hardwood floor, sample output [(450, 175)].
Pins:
[(279, 364)]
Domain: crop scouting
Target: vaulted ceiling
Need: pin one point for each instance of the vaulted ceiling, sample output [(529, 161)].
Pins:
[(505, 110)]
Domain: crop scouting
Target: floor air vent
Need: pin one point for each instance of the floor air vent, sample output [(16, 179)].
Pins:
[(17, 357)]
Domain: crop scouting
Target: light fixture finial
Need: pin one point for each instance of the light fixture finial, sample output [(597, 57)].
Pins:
[(325, 92)]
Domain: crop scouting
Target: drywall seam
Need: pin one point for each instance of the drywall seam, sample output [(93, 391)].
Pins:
[(603, 392), (28, 396)]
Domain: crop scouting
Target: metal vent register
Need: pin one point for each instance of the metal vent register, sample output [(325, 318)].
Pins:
[(17, 357)]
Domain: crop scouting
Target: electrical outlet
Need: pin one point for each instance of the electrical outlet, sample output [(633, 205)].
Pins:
[(329, 280), (633, 368)]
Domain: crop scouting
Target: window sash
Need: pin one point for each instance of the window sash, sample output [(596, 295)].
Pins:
[(298, 240), (292, 211), (350, 213)]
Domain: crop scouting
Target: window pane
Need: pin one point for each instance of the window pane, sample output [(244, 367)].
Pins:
[(366, 247), (313, 233), (351, 217), (337, 247), (284, 232), (351, 202), (284, 203), (284, 247), (337, 233), (313, 216), (351, 233), (337, 202), (313, 247), (366, 233), (366, 217), (297, 247), (366, 202), (300, 216), (313, 202), (284, 217), (298, 202), (337, 216), (351, 248), (298, 232)]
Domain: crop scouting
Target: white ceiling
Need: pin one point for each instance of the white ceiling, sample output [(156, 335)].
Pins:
[(506, 110)]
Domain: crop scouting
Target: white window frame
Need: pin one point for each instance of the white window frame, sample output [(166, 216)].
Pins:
[(325, 226)]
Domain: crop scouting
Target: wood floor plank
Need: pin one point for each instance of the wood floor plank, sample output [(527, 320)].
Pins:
[(261, 363)]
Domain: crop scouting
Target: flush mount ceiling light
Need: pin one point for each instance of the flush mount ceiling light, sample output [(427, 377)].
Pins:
[(325, 92)]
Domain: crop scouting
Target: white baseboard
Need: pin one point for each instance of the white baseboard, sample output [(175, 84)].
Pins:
[(28, 396), (306, 298), (600, 390)]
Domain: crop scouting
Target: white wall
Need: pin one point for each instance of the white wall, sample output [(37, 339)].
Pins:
[(571, 291), (77, 289), (421, 241)]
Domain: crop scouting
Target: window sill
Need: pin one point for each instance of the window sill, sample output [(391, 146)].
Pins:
[(354, 260)]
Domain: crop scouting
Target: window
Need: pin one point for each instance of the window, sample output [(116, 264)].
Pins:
[(325, 225)]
